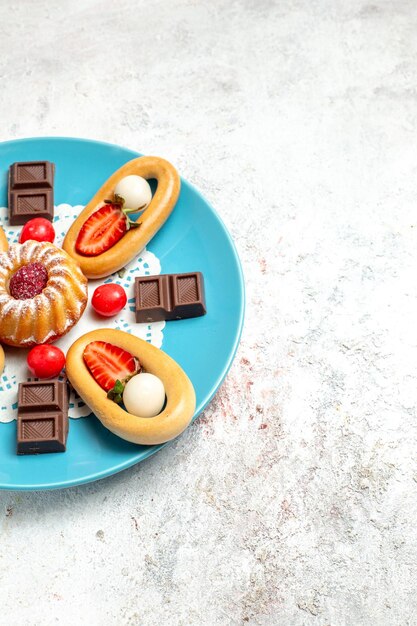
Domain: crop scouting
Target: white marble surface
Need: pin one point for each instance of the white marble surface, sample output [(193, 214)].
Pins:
[(292, 501)]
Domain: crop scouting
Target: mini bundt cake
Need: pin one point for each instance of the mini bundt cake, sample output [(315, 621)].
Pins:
[(43, 293)]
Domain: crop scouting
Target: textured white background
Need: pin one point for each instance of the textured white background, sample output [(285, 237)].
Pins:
[(292, 501)]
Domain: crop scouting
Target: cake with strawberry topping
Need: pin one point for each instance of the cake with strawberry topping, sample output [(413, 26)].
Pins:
[(43, 293)]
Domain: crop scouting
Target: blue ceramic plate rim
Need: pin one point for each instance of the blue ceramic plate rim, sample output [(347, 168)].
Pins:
[(133, 460)]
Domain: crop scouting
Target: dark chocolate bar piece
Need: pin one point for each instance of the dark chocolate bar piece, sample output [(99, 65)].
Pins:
[(24, 205), (169, 297), (31, 191), (42, 416), (32, 174), (42, 395)]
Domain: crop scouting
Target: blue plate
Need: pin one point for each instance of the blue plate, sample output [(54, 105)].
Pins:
[(193, 239)]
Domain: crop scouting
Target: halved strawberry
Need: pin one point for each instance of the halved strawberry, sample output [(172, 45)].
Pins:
[(108, 364), (103, 228)]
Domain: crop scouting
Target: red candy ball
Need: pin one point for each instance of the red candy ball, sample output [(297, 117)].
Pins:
[(38, 229), (45, 361), (108, 300)]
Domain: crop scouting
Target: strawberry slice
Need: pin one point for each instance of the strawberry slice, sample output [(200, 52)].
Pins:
[(108, 364), (104, 228)]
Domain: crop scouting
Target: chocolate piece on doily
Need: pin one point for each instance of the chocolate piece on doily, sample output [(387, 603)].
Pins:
[(169, 297), (42, 416), (31, 191)]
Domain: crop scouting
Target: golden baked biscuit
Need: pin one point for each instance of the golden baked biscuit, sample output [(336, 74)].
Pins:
[(150, 221), (180, 404)]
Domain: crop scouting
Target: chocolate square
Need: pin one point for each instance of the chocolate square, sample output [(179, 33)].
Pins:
[(24, 205), (169, 297), (45, 395), (188, 295), (39, 433), (42, 417), (32, 174), (150, 298)]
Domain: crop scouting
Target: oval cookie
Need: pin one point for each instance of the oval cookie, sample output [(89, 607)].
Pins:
[(150, 220), (180, 405)]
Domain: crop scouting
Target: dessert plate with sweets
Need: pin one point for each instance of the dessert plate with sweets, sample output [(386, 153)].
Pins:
[(121, 309)]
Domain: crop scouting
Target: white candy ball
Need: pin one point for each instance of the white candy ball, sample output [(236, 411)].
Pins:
[(144, 395), (135, 191)]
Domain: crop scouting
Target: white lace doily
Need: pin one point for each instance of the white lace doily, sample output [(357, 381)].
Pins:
[(16, 370)]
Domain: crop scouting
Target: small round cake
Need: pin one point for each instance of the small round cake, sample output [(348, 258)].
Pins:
[(43, 293)]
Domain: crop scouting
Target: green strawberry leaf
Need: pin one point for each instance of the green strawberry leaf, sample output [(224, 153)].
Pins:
[(116, 394)]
